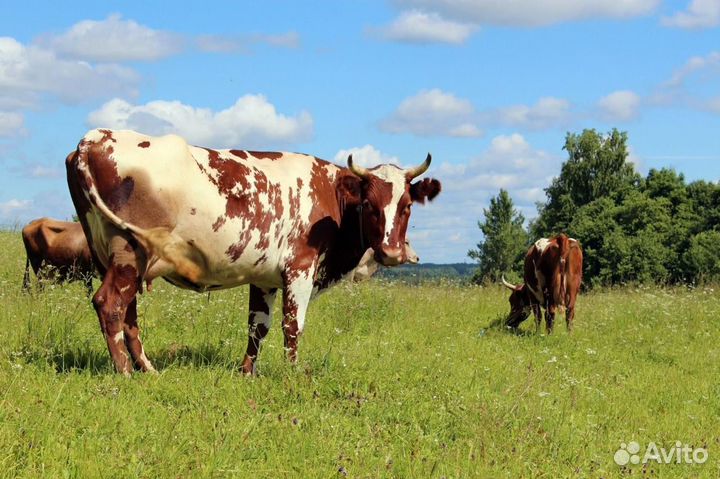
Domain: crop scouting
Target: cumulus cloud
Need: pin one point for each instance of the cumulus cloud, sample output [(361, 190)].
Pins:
[(416, 26), (621, 105), (699, 14), (529, 13), (252, 122), (113, 40), (12, 209), (367, 156), (24, 77), (693, 66), (685, 86), (19, 211), (548, 112), (433, 113)]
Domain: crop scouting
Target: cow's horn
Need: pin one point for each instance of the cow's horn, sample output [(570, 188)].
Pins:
[(508, 285), (419, 170), (357, 170)]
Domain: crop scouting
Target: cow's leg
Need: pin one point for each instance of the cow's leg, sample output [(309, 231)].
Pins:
[(26, 276), (132, 339), (298, 288), (570, 310), (259, 321), (549, 318), (115, 298), (537, 312)]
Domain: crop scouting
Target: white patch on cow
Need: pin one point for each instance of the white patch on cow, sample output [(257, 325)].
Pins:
[(299, 292), (119, 337), (541, 244), (144, 361), (396, 177)]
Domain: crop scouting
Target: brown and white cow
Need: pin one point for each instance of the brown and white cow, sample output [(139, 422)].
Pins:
[(56, 251), (208, 219), (552, 274)]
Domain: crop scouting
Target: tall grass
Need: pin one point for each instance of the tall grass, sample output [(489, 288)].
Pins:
[(393, 381)]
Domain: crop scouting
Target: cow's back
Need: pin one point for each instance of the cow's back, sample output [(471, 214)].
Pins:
[(241, 211)]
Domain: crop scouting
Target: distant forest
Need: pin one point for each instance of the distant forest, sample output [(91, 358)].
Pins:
[(417, 273)]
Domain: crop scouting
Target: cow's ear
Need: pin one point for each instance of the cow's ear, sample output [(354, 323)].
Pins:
[(427, 188), (348, 191)]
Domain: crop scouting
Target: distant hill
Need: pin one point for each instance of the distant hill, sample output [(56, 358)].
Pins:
[(428, 271)]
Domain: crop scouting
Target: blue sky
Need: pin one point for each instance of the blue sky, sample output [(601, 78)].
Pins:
[(489, 88)]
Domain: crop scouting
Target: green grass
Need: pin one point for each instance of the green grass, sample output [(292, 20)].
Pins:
[(393, 381)]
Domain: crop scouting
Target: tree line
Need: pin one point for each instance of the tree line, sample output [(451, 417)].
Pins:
[(633, 229)]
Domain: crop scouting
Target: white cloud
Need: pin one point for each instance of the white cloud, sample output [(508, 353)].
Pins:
[(621, 105), (699, 14), (526, 13), (243, 44), (366, 156), (113, 40), (11, 209), (251, 122), (42, 171), (11, 124), (28, 72), (417, 26), (693, 66), (433, 113), (548, 112)]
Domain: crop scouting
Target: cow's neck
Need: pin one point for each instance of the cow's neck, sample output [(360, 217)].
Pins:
[(344, 253)]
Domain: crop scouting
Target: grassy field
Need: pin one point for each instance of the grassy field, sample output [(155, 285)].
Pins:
[(393, 381)]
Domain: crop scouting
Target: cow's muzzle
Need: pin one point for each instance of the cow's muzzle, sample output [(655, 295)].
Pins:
[(390, 256)]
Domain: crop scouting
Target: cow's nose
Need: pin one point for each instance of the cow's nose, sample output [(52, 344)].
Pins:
[(391, 256)]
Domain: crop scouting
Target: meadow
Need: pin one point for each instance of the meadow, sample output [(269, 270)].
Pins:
[(393, 381)]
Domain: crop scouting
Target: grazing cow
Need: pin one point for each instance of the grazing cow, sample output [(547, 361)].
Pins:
[(58, 251), (553, 273), (211, 219)]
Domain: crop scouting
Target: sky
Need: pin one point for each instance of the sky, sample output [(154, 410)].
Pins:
[(489, 88)]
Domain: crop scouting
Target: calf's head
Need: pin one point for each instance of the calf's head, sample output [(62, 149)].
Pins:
[(385, 195)]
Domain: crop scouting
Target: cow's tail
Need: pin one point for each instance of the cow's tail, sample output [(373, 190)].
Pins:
[(159, 242), (560, 280)]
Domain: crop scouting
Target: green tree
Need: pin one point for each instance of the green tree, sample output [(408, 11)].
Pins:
[(504, 243), (596, 167), (703, 258)]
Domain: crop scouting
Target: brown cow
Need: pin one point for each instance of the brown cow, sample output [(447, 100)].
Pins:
[(207, 219), (553, 273), (57, 251)]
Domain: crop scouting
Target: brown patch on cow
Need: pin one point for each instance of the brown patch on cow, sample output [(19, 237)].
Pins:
[(107, 136), (193, 211), (219, 222), (244, 189), (267, 155), (262, 259), (240, 153), (144, 144)]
